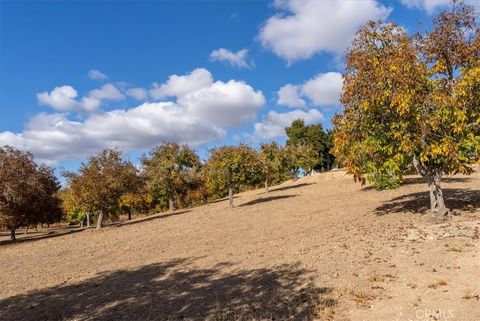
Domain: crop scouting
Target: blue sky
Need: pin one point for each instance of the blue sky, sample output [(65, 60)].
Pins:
[(79, 76)]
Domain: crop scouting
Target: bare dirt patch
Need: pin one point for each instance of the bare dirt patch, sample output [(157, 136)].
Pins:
[(321, 248)]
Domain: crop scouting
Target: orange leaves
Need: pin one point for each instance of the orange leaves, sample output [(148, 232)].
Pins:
[(395, 108)]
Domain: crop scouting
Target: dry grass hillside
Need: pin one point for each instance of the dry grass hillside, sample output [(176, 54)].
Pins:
[(320, 248)]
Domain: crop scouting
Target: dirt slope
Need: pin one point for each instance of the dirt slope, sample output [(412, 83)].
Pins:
[(321, 248)]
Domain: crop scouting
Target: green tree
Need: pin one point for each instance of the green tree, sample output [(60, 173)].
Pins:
[(301, 158), (169, 171), (412, 102), (231, 167), (328, 157), (28, 192), (101, 182), (273, 163), (73, 214), (312, 135)]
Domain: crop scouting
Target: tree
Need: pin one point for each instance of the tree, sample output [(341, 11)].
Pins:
[(28, 192), (301, 158), (73, 214), (312, 135), (231, 167), (169, 170), (328, 157), (412, 102), (101, 182), (134, 202), (273, 163)]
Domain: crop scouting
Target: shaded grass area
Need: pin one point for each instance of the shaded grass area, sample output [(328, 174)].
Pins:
[(422, 180), (174, 291), (40, 235), (419, 202), (266, 199), (36, 236), (284, 188)]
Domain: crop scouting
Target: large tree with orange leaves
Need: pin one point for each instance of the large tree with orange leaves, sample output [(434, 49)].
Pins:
[(412, 102)]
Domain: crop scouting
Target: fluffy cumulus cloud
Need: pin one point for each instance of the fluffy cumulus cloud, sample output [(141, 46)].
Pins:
[(64, 98), (274, 123), (235, 59), (180, 85), (96, 75), (106, 92), (322, 90), (303, 28), (289, 95), (431, 5), (137, 93), (202, 115)]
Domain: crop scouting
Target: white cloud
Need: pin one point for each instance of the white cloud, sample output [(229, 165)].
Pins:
[(200, 116), (137, 93), (289, 95), (431, 5), (96, 75), (64, 98), (235, 59), (106, 92), (180, 85), (303, 28), (322, 90), (231, 104), (274, 123)]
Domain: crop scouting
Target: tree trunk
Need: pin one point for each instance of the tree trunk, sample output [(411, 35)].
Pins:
[(230, 196), (81, 223), (26, 230), (100, 220), (12, 234), (171, 204), (129, 214), (437, 201), (88, 219), (266, 186)]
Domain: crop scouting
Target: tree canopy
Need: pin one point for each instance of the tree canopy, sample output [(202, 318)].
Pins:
[(169, 170), (231, 167), (314, 136), (274, 163), (28, 192), (412, 103), (101, 182)]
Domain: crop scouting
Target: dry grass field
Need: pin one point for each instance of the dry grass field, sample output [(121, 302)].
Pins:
[(320, 248)]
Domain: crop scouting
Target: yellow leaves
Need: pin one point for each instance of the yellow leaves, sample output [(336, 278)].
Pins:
[(439, 67), (364, 105), (436, 150), (402, 102)]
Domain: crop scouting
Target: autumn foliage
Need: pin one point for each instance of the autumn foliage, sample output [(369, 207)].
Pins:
[(412, 102), (28, 192)]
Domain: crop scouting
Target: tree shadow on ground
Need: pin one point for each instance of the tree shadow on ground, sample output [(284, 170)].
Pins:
[(173, 291), (455, 199), (284, 188), (150, 218), (36, 236), (221, 200), (422, 180), (266, 199)]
